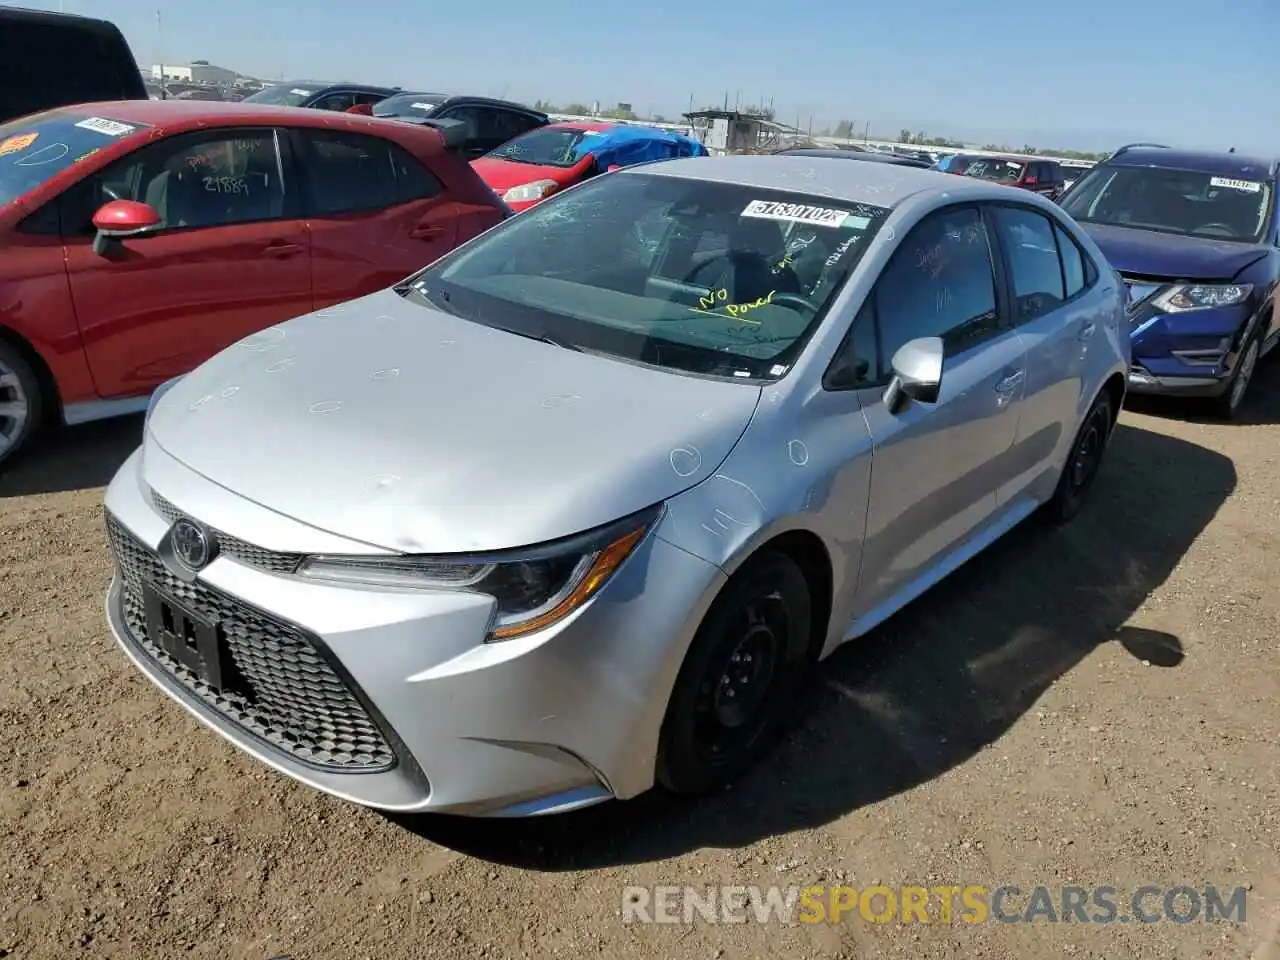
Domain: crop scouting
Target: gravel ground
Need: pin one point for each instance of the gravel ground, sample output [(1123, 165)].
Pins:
[(1091, 706)]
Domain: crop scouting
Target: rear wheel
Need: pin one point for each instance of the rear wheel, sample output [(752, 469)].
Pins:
[(738, 677), (20, 406), (1083, 462), (1230, 403)]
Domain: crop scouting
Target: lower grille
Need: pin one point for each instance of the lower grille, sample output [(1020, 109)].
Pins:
[(282, 690)]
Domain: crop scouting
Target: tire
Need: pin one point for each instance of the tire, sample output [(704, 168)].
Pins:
[(1229, 405), (1083, 462), (21, 404), (739, 675)]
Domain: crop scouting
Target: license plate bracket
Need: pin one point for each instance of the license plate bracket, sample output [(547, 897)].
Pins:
[(194, 641)]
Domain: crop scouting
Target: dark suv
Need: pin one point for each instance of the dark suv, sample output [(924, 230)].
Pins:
[(489, 123), (1044, 177), (1194, 237)]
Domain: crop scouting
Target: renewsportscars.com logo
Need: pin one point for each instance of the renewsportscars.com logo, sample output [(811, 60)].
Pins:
[(971, 904)]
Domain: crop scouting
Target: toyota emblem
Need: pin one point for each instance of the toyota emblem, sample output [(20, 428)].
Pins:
[(192, 545)]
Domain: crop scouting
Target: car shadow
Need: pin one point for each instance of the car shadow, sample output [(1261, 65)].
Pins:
[(931, 687), (72, 458), (1261, 402)]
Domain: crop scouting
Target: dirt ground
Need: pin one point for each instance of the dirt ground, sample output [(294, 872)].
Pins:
[(1092, 706)]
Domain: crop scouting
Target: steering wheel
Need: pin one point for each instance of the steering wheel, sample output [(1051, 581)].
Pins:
[(1223, 229), (110, 193), (795, 301)]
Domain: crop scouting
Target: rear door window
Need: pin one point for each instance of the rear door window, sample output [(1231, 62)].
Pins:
[(349, 173), (1032, 252)]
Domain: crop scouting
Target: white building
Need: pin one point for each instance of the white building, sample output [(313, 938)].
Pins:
[(198, 71)]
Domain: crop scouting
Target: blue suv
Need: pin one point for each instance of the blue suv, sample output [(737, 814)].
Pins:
[(1194, 237)]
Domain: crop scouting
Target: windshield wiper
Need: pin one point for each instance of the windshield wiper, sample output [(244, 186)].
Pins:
[(543, 337), (512, 159)]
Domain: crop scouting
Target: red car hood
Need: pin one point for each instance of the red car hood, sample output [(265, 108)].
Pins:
[(502, 175)]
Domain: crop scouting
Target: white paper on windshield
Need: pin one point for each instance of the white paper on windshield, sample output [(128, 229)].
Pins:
[(112, 128), (1250, 186), (803, 213), (423, 106), (298, 92)]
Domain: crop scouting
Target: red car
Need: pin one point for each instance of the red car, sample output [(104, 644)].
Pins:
[(138, 238), (539, 163)]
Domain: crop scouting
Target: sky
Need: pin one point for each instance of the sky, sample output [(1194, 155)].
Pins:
[(1076, 74)]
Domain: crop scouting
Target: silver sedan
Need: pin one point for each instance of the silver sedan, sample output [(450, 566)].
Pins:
[(570, 512)]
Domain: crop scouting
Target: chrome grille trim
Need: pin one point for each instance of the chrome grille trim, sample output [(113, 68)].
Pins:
[(233, 548)]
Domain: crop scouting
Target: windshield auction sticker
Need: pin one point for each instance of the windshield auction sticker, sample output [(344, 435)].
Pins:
[(1249, 186), (20, 142), (802, 213), (112, 128)]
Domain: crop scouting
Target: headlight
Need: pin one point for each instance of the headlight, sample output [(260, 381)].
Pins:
[(528, 192), (1186, 297), (156, 394), (532, 588)]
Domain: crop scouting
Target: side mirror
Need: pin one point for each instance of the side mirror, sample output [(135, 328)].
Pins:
[(1031, 182), (614, 166), (122, 218), (361, 109), (917, 373)]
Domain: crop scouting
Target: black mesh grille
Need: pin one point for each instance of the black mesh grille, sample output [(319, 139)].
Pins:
[(280, 688), (234, 548)]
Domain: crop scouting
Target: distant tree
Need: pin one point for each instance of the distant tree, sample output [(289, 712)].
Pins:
[(616, 114), (904, 135), (576, 109), (844, 130), (546, 106), (658, 118)]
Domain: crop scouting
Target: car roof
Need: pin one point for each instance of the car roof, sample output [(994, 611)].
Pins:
[(581, 125), (879, 184), (161, 113), (1236, 165), (871, 155)]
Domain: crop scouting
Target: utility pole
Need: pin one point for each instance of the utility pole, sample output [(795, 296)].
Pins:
[(164, 91)]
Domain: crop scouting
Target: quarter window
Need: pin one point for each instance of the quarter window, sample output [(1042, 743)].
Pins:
[(352, 172), (1072, 262), (1028, 240), (939, 283)]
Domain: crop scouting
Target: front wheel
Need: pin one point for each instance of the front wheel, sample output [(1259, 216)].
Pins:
[(1228, 405), (1083, 462), (19, 402), (743, 666)]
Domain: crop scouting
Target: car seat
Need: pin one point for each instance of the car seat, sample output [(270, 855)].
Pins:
[(749, 270)]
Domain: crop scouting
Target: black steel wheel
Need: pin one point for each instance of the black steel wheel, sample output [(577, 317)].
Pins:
[(1083, 462), (738, 676)]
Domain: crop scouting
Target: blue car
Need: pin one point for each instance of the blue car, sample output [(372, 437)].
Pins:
[(1193, 236)]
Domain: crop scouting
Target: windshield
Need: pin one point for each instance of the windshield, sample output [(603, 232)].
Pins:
[(1001, 171), (407, 105), (285, 95), (35, 149), (1172, 201), (702, 277), (546, 146)]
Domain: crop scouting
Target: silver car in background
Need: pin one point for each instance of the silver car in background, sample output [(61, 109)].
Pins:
[(569, 513)]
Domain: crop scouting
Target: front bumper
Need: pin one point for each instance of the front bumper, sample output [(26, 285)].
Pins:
[(446, 722), (1141, 381)]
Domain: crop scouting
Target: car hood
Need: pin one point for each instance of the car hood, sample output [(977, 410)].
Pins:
[(502, 175), (397, 425), (1151, 254)]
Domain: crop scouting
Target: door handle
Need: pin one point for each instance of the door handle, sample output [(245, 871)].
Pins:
[(1087, 331), (426, 231), (1009, 383), (282, 249)]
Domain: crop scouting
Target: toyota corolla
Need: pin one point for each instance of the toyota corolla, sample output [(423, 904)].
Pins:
[(568, 513)]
